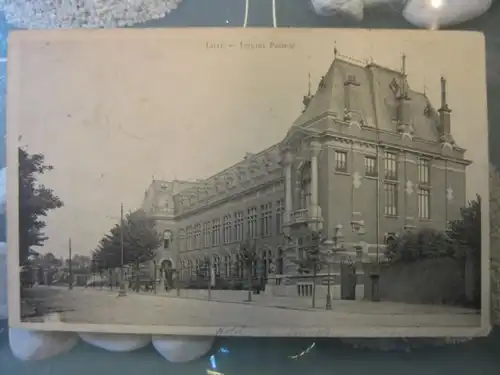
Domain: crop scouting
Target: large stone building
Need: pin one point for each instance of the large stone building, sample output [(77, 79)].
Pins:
[(368, 157)]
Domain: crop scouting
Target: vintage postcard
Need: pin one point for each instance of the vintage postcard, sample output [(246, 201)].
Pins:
[(248, 182)]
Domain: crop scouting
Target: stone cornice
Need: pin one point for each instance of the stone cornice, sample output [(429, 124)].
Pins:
[(370, 145), (227, 198), (334, 116), (232, 181)]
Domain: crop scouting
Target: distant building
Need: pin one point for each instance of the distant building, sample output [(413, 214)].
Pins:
[(368, 156)]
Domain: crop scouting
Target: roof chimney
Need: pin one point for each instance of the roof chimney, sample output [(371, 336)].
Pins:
[(307, 98), (404, 108), (444, 111)]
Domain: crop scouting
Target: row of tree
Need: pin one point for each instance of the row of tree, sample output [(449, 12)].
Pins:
[(78, 262), (129, 243), (463, 238)]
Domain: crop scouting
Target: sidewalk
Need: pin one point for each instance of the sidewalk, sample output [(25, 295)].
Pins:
[(305, 303)]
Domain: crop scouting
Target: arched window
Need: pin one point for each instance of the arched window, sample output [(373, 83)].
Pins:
[(305, 185), (389, 238), (239, 266), (167, 239), (216, 265), (266, 259)]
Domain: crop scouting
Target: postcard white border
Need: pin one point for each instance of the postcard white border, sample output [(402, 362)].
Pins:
[(12, 119)]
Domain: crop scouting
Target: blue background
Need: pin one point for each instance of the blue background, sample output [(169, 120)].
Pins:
[(272, 356)]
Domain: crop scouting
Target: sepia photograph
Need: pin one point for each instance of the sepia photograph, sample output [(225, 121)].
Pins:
[(248, 182)]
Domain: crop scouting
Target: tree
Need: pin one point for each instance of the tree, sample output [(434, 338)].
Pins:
[(466, 233), (249, 257), (141, 237), (81, 262), (425, 243), (98, 257), (35, 201), (495, 238), (140, 240), (310, 259), (50, 259)]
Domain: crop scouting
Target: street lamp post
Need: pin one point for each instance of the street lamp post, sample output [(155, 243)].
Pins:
[(209, 269), (70, 266), (177, 282), (335, 246)]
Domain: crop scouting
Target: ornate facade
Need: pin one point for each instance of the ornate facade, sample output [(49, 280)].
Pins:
[(368, 157)]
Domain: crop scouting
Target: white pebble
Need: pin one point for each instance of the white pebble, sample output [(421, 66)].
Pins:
[(54, 14), (34, 346), (116, 342), (182, 349)]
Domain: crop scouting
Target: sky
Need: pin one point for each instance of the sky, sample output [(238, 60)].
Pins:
[(113, 111)]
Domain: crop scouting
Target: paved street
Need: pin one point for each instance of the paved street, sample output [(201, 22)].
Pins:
[(104, 307)]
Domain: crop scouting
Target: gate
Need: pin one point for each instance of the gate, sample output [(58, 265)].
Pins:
[(348, 281)]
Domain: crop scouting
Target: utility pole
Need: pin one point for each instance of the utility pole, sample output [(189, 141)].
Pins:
[(123, 291), (70, 287)]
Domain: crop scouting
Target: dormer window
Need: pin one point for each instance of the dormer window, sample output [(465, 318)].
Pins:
[(322, 83), (394, 86), (427, 110)]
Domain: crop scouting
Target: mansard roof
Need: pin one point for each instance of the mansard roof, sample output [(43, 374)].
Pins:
[(374, 103), (374, 99), (251, 168)]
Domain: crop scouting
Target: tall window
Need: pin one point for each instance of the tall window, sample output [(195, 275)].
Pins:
[(182, 240), (252, 222), (206, 234), (371, 166), (280, 185), (391, 166), (391, 199), (167, 238), (341, 161), (226, 230), (424, 171), (238, 225), (424, 204), (197, 267), (216, 232), (305, 186), (197, 236), (216, 264), (280, 209), (189, 237), (227, 267), (266, 214)]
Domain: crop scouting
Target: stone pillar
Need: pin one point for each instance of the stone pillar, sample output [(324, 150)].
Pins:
[(314, 211), (286, 161)]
